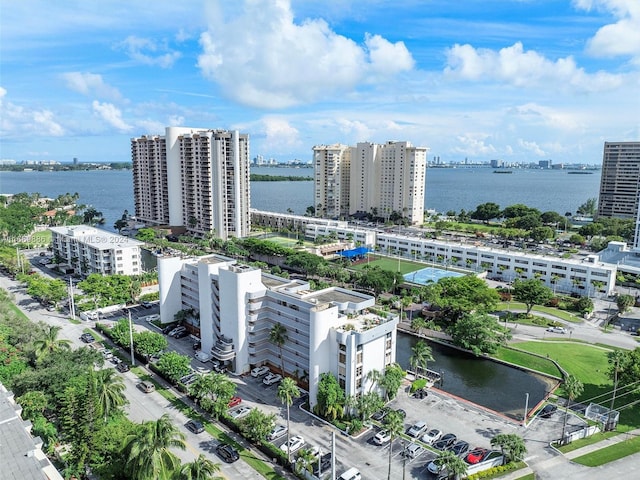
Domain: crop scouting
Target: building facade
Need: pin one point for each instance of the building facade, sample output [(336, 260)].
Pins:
[(193, 178), (379, 179), (329, 330), (90, 250)]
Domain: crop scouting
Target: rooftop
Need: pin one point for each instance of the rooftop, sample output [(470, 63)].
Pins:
[(100, 239)]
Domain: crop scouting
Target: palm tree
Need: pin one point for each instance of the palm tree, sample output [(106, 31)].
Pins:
[(420, 355), (305, 461), (511, 445), (147, 451), (374, 376), (451, 463), (109, 388), (394, 425), (287, 391), (278, 336), (615, 358), (200, 469), (573, 387), (50, 342)]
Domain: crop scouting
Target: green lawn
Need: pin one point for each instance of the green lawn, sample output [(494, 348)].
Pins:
[(562, 314), (610, 453), (530, 361), (391, 264), (286, 242)]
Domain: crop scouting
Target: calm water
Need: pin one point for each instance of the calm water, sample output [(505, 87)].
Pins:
[(111, 192), (478, 380)]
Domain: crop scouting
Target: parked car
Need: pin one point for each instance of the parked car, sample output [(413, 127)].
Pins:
[(204, 357), (197, 345), (445, 442), (219, 368), (548, 410), (556, 330), (146, 387), (417, 429), (147, 304), (324, 466), (167, 329), (413, 450), (271, 379), (235, 401), (380, 414), (87, 338), (434, 467), (227, 453), (122, 367), (476, 455), (277, 432), (181, 334), (294, 444), (260, 371), (432, 436), (240, 412), (176, 330), (382, 437), (401, 412), (152, 318), (460, 448), (195, 426)]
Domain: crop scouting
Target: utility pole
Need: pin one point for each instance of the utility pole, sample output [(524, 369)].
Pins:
[(333, 455), (526, 409), (72, 306), (133, 360)]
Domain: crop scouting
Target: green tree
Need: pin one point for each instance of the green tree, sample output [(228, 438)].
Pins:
[(305, 460), (373, 377), (200, 469), (278, 336), (391, 380), (330, 397), (531, 292), (519, 210), (540, 234), (257, 425), (213, 391), (33, 404), (146, 235), (147, 343), (110, 390), (49, 342), (486, 212), (457, 296), (452, 464), (479, 332), (511, 445), (368, 403), (394, 424), (288, 391), (573, 388), (147, 450), (589, 207), (616, 359), (174, 366), (421, 354), (419, 324), (625, 302)]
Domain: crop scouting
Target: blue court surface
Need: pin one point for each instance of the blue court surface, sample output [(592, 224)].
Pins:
[(430, 275)]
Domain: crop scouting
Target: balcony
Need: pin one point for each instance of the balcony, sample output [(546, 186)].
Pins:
[(223, 349)]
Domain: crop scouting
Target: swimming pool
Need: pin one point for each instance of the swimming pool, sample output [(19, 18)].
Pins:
[(430, 275)]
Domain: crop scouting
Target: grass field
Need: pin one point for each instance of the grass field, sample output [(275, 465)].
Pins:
[(589, 364), (287, 242), (535, 363), (561, 314), (391, 264), (610, 453)]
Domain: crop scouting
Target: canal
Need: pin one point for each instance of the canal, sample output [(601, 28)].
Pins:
[(490, 384)]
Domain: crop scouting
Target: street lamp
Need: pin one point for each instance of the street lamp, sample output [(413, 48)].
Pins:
[(133, 361), (526, 409), (404, 459)]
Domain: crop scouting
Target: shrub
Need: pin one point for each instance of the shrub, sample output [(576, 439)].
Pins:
[(418, 384)]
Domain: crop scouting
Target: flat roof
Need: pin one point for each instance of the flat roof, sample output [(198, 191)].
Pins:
[(337, 296), (100, 239)]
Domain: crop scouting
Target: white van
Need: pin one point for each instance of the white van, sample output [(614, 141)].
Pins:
[(351, 474)]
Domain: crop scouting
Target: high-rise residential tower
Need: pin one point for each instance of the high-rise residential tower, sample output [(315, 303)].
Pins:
[(193, 177), (620, 183), (378, 179)]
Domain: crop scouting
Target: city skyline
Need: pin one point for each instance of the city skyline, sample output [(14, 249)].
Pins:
[(514, 80)]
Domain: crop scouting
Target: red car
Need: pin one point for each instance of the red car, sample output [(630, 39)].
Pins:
[(476, 455), (234, 402)]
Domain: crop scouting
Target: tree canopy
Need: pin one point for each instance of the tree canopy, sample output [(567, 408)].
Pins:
[(479, 332), (531, 292), (457, 296)]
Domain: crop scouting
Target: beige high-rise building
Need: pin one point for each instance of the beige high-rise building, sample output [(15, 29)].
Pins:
[(193, 177), (385, 180)]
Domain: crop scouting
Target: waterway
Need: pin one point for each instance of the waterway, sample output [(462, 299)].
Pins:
[(481, 381)]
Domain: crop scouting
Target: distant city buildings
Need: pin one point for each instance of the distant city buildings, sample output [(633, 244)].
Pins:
[(87, 250), (193, 178), (236, 307), (378, 179)]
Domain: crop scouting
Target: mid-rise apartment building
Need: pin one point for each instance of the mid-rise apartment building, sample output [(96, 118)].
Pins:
[(378, 179), (330, 330), (194, 178), (90, 250)]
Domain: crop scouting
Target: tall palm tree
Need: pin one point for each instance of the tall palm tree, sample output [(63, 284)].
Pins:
[(200, 469), (455, 466), (287, 391), (305, 461), (573, 387), (420, 355), (110, 390), (394, 425), (147, 451), (50, 343), (615, 358), (374, 376), (278, 336)]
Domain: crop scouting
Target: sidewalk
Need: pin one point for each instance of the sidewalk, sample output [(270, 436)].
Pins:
[(602, 444)]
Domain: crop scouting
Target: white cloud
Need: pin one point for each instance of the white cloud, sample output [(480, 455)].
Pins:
[(531, 147), (110, 114), (473, 144), (513, 65), (264, 59), (150, 52), (280, 135), (556, 119), (91, 84), (18, 121), (621, 38)]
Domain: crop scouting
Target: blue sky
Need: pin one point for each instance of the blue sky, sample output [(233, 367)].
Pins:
[(520, 80)]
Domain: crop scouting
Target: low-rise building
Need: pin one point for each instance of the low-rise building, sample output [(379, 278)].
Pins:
[(90, 250), (330, 330)]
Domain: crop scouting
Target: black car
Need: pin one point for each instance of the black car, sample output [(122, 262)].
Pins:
[(380, 414), (181, 334), (548, 410), (401, 412), (445, 442), (195, 426), (325, 464), (122, 367), (168, 328), (87, 338), (197, 345), (460, 448), (227, 453)]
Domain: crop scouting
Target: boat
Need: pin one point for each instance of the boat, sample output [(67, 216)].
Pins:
[(503, 171), (579, 172)]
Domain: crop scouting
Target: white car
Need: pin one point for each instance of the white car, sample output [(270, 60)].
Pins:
[(432, 436), (152, 318), (556, 330), (294, 444), (414, 450), (259, 371), (271, 379), (417, 429), (240, 412), (277, 432), (382, 437)]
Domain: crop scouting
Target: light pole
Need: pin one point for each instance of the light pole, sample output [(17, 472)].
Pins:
[(133, 361), (404, 459), (526, 409)]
